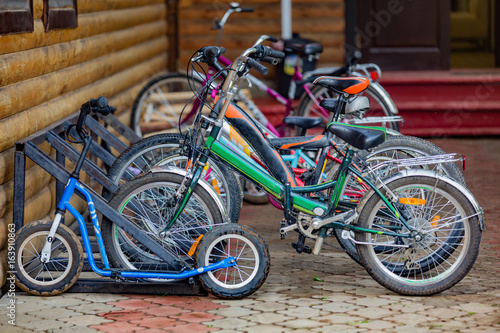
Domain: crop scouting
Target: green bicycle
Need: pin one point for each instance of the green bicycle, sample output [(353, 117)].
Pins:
[(416, 232)]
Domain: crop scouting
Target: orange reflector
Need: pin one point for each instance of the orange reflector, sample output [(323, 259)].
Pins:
[(412, 201), (215, 185), (434, 221), (194, 246)]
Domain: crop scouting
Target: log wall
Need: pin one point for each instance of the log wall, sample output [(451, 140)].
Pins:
[(321, 20), (46, 76)]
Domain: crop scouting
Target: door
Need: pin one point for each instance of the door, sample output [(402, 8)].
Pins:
[(404, 34)]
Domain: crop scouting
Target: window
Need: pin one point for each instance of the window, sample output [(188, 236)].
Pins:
[(59, 14), (16, 16)]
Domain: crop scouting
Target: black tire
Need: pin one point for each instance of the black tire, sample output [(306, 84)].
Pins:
[(152, 151), (397, 147), (145, 201), (378, 106), (163, 85), (437, 262), (66, 259), (209, 251)]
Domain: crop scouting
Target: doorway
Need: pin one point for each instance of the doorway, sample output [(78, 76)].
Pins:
[(472, 32)]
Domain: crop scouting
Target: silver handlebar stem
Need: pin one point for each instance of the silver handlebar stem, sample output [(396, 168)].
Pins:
[(230, 87)]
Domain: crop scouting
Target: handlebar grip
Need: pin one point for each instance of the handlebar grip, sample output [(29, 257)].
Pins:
[(275, 54), (246, 10), (100, 103), (213, 51), (258, 67)]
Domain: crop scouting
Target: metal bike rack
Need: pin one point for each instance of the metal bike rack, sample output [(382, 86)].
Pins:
[(53, 134)]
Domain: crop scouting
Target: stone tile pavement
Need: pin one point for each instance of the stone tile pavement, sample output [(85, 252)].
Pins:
[(345, 300)]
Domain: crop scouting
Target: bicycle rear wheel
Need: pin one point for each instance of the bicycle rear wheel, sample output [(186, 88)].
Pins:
[(394, 148), (440, 257), (159, 104)]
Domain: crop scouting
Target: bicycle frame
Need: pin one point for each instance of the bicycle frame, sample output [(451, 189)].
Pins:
[(279, 180)]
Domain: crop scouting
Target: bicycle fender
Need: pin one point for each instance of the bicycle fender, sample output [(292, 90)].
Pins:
[(428, 173), (201, 182)]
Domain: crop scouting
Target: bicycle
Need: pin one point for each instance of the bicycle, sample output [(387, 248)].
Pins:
[(163, 98), (417, 232), (140, 157), (231, 261)]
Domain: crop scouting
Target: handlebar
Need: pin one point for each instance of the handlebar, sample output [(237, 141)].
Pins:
[(212, 51), (99, 105)]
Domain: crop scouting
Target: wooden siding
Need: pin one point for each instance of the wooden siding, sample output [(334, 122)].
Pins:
[(45, 76), (321, 20)]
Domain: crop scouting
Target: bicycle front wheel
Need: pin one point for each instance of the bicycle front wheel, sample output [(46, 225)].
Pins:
[(148, 201), (60, 272), (436, 256), (165, 150), (158, 105)]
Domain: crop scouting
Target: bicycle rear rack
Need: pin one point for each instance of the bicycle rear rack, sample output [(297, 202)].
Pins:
[(53, 134)]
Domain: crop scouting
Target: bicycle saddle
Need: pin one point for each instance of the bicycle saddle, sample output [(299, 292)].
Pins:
[(303, 122), (348, 85), (358, 136), (303, 47)]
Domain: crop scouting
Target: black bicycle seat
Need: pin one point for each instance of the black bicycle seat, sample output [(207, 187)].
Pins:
[(358, 136), (303, 47), (303, 122)]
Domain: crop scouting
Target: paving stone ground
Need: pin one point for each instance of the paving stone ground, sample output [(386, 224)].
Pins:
[(347, 300)]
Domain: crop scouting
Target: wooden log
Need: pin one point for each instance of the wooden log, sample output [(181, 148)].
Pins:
[(29, 93), (24, 65), (264, 11), (7, 162), (91, 6), (27, 122), (250, 3), (3, 266), (263, 26), (4, 232), (91, 24), (241, 42), (35, 208), (36, 180)]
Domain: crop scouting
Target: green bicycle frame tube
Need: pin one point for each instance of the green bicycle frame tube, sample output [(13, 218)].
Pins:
[(269, 183)]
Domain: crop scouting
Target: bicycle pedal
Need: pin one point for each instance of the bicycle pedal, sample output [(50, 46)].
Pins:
[(300, 249)]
